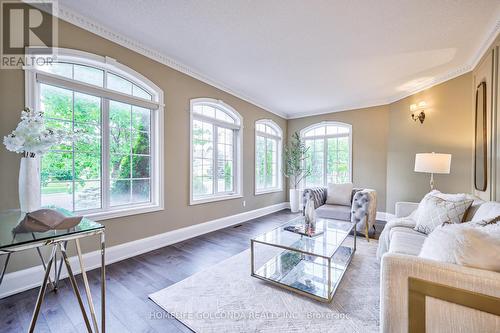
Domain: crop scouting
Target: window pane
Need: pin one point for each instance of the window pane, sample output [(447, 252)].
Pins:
[(88, 75), (87, 166), (59, 68), (140, 166), (315, 162), (119, 166), (141, 118), (119, 140), (260, 160), (89, 138), (120, 192), (139, 92), (221, 115), (119, 84), (141, 190), (56, 167), (87, 108), (208, 111), (58, 193), (63, 126), (331, 130), (140, 143), (119, 114), (87, 195), (56, 102), (270, 130)]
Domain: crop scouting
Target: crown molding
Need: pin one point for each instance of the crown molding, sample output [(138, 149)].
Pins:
[(99, 29), (90, 25)]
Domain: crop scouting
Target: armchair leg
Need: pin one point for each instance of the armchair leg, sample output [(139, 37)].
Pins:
[(366, 229)]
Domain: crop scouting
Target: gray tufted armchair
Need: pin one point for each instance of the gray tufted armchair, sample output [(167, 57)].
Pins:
[(362, 212)]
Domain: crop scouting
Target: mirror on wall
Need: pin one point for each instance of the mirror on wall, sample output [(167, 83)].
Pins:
[(480, 148)]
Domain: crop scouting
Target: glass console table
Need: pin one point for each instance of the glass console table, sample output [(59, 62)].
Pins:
[(311, 266), (58, 241)]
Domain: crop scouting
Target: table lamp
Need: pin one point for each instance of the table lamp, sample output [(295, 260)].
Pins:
[(433, 163)]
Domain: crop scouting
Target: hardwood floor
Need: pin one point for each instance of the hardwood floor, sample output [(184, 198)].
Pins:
[(130, 281)]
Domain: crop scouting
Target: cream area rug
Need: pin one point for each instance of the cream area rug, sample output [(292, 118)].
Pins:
[(225, 298)]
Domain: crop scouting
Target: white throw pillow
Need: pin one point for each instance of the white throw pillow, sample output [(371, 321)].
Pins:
[(473, 244), (339, 194), (445, 196), (434, 211)]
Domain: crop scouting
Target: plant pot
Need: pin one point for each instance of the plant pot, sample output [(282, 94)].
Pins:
[(295, 200), (29, 184)]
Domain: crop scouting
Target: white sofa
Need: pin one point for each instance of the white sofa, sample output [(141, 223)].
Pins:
[(399, 247)]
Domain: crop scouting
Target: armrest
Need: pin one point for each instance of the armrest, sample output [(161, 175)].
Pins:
[(394, 273), (403, 208), (364, 204), (318, 195)]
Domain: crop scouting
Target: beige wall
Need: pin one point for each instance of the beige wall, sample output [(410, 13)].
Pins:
[(369, 145), (448, 128), (178, 89)]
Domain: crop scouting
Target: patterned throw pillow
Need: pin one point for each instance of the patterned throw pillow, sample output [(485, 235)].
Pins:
[(434, 211)]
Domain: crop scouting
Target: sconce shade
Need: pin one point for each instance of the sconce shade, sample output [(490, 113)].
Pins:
[(433, 163)]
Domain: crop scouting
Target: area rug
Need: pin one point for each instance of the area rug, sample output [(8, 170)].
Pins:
[(225, 298)]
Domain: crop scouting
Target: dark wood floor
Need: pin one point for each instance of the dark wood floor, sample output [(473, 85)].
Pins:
[(130, 281)]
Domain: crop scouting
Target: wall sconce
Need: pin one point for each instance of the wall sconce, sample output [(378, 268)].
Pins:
[(414, 108)]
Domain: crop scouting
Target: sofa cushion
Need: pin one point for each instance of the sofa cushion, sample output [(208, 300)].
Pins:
[(489, 209), (406, 241), (339, 194), (433, 211), (474, 244), (337, 212)]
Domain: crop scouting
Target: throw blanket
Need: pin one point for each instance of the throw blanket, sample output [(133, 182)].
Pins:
[(384, 240)]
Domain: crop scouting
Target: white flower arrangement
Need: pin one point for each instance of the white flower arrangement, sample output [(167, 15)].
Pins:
[(31, 137)]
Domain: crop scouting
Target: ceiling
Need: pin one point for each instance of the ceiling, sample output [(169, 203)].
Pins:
[(300, 57)]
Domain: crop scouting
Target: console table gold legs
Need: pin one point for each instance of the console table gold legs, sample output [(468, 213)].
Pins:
[(61, 247)]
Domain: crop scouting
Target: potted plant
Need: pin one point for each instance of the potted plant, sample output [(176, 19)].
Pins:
[(31, 139), (294, 168)]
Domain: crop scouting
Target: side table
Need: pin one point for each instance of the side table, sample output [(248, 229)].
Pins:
[(57, 240)]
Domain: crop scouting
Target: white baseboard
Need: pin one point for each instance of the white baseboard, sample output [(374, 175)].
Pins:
[(25, 279)]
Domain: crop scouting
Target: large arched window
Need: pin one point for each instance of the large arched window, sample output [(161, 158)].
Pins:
[(215, 151), (268, 141), (114, 166), (330, 153)]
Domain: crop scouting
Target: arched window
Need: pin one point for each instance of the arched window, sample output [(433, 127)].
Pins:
[(330, 153), (215, 151), (268, 142), (114, 166)]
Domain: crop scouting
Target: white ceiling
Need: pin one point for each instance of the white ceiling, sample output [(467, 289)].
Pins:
[(302, 57)]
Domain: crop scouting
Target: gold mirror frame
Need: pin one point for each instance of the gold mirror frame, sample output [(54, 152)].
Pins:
[(480, 139)]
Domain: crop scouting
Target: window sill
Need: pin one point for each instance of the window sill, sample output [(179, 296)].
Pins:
[(214, 199), (122, 212), (274, 190)]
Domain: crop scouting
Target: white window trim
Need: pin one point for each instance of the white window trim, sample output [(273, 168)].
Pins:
[(238, 139), (32, 75), (279, 137), (325, 137)]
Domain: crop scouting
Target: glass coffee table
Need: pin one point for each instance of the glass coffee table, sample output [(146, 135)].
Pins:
[(311, 266)]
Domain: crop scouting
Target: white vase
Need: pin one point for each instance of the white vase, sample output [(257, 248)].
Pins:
[(29, 184), (295, 200)]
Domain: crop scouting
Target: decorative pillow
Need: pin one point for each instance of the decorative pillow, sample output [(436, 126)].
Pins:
[(474, 244), (434, 211), (339, 194), (444, 196)]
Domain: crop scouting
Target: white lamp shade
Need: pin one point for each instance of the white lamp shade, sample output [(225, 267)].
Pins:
[(432, 163)]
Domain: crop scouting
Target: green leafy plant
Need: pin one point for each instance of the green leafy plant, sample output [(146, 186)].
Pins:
[(294, 155)]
